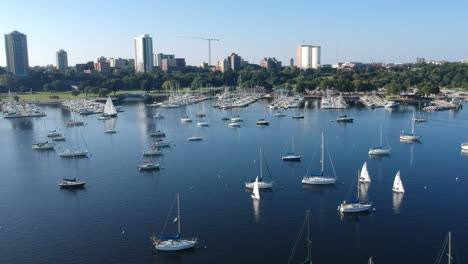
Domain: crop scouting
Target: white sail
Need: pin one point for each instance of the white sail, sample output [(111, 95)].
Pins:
[(364, 176), (109, 108), (256, 192), (397, 184)]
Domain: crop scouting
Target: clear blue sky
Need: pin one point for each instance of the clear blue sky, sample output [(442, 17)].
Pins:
[(388, 31)]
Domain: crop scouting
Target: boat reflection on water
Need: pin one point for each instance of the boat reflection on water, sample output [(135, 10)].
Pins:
[(397, 199), (256, 210), (353, 218), (319, 188), (364, 188)]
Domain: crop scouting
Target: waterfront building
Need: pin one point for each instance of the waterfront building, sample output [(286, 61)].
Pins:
[(270, 63), (16, 48), (144, 53), (62, 61), (308, 56)]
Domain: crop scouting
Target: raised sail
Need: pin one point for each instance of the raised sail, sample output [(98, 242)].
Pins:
[(397, 184), (109, 108), (256, 193), (364, 176)]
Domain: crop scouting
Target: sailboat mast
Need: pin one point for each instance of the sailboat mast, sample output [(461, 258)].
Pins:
[(292, 143), (261, 164), (178, 214), (381, 141), (321, 161), (412, 125), (449, 248), (309, 253)]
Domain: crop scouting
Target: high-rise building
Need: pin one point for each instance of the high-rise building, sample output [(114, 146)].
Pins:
[(235, 62), (159, 57), (16, 48), (144, 53), (270, 63), (102, 65), (62, 61), (420, 60), (308, 56), (120, 63), (291, 62)]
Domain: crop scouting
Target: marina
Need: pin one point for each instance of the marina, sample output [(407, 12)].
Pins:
[(119, 204)]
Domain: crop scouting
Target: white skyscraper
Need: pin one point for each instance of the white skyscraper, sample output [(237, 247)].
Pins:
[(16, 47), (144, 53), (308, 57), (62, 61)]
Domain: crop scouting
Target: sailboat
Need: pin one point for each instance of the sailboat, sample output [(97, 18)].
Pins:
[(72, 183), (308, 260), (291, 156), (204, 121), (355, 206), (318, 178), (364, 174), (109, 109), (43, 146), (148, 165), (410, 137), (419, 119), (255, 193), (259, 181), (279, 114), (173, 243), (74, 152), (397, 184), (380, 150), (446, 247)]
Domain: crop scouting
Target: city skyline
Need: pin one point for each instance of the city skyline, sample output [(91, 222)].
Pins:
[(365, 31)]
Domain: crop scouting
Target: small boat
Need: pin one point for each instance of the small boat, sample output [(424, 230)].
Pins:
[(237, 119), (153, 151), (109, 108), (173, 243), (202, 123), (259, 181), (318, 178), (410, 137), (43, 146), (54, 133), (291, 156), (73, 153), (110, 131), (262, 122), (364, 176), (158, 116), (161, 144), (391, 104), (355, 206), (380, 150), (255, 193), (298, 116), (464, 147), (234, 124), (75, 123), (344, 119), (419, 119), (200, 114), (61, 138), (103, 117), (185, 119), (397, 184), (158, 134), (280, 114), (71, 183), (225, 118), (194, 139), (148, 165)]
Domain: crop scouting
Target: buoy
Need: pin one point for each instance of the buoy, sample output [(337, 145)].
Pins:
[(123, 231), (456, 179), (425, 187)]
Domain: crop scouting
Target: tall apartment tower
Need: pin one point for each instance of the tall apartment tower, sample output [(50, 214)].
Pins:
[(144, 53), (308, 56), (62, 61), (16, 48)]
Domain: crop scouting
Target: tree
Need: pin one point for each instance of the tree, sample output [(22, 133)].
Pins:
[(76, 92), (103, 92), (16, 98), (48, 87)]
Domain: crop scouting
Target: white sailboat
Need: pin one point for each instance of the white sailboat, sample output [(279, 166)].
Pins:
[(291, 156), (74, 152), (109, 109), (204, 121), (255, 193), (364, 176), (319, 179), (380, 150), (464, 147), (259, 181), (43, 146), (68, 183), (173, 243), (355, 206), (410, 137), (397, 184)]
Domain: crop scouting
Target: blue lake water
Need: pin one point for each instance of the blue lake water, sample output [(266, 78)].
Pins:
[(109, 220)]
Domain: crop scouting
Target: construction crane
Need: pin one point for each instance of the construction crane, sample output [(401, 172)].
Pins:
[(209, 45)]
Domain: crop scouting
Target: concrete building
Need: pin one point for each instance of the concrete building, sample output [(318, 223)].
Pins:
[(235, 62), (223, 65), (120, 63), (308, 56), (270, 63), (84, 68), (144, 53), (202, 64), (420, 60), (173, 65), (16, 48), (464, 61), (102, 66), (160, 56), (291, 62), (62, 61)]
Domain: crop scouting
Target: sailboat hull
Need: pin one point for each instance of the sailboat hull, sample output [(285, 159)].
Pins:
[(318, 180), (174, 245), (261, 185), (354, 207), (379, 152), (409, 138), (291, 158)]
